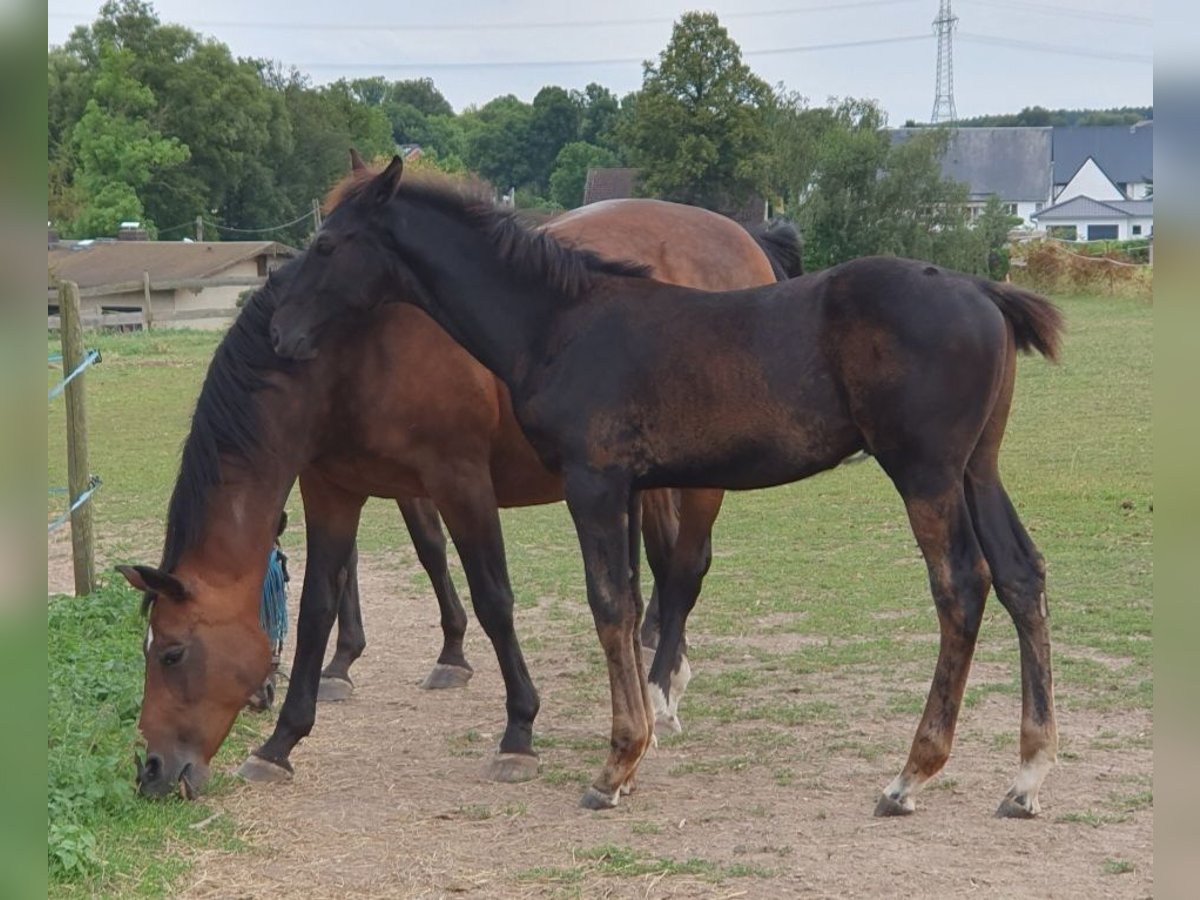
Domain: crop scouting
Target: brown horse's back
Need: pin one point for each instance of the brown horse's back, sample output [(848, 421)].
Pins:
[(684, 244)]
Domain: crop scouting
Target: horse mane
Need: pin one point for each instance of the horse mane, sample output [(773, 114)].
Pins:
[(225, 425), (531, 253)]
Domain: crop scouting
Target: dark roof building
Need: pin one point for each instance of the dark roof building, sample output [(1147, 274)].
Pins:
[(96, 263), (608, 184), (1012, 163), (1125, 153)]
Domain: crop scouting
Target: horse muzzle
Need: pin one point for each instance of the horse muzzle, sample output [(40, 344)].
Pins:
[(157, 778)]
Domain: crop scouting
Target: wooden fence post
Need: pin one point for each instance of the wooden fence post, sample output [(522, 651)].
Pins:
[(77, 449), (146, 296)]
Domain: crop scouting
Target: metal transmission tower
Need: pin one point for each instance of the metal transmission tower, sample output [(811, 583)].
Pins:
[(943, 102)]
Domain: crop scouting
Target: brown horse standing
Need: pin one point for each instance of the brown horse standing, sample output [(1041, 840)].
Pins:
[(623, 383), (392, 407)]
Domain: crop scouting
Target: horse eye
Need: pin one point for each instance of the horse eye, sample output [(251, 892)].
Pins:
[(172, 656)]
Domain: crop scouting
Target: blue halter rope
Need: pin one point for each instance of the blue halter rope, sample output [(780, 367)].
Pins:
[(272, 612)]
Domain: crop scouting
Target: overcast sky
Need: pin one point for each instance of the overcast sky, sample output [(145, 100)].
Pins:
[(1007, 53)]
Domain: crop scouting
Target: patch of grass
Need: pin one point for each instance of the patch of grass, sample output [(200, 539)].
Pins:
[(646, 828), (99, 833), (624, 862), (1117, 866)]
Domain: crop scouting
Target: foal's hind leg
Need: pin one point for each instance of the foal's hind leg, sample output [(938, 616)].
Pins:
[(1020, 577), (687, 566), (425, 528), (960, 580)]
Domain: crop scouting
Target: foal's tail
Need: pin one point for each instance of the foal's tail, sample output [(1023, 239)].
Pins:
[(780, 241), (1036, 322)]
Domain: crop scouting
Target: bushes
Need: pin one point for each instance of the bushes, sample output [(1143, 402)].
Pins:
[(101, 837), (95, 675), (1051, 268)]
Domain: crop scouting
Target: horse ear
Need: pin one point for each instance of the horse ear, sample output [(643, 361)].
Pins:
[(153, 581), (356, 161), (387, 183)]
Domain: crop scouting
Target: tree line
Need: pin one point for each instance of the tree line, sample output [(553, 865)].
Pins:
[(154, 122)]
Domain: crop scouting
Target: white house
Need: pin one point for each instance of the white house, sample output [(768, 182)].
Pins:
[(1085, 219), (1090, 206)]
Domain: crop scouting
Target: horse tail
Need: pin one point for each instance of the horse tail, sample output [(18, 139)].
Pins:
[(780, 241), (1036, 322)]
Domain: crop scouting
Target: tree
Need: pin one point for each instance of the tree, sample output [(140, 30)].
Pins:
[(421, 94), (868, 196), (496, 139), (599, 112), (698, 131), (116, 150), (570, 171), (554, 124)]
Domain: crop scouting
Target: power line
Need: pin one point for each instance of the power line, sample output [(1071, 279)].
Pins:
[(509, 26), (1055, 48), (625, 60), (1051, 10)]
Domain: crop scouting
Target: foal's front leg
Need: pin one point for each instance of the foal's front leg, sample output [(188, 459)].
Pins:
[(601, 504)]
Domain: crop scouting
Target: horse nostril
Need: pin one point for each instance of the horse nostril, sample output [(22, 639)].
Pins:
[(276, 337), (153, 769)]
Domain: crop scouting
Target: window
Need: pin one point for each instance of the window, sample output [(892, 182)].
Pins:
[(1137, 229), (1010, 208), (1063, 232), (1102, 232)]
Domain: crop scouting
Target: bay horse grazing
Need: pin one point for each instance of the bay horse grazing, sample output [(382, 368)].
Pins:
[(391, 407), (623, 383)]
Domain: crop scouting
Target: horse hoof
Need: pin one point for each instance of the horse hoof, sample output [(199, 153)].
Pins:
[(334, 690), (1010, 808), (511, 768), (263, 771), (887, 806), (594, 799), (445, 676)]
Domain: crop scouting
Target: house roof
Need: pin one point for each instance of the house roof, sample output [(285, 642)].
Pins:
[(95, 263), (1013, 163), (1087, 208), (1125, 153), (608, 184)]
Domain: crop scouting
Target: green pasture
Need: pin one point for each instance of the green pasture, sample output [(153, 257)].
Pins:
[(830, 560)]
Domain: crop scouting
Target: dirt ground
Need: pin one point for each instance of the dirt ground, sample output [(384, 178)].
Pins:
[(387, 800)]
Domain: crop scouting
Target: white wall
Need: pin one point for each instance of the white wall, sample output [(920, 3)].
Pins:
[(1138, 190), (1089, 181)]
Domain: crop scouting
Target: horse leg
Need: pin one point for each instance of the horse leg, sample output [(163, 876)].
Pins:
[(425, 528), (336, 684), (331, 516), (660, 529), (1020, 578), (468, 506), (605, 512), (689, 562), (960, 580)]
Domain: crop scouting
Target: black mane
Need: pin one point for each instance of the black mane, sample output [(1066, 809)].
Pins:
[(531, 254), (225, 423)]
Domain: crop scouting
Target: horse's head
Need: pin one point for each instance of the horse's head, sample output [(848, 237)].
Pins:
[(205, 655), (347, 270)]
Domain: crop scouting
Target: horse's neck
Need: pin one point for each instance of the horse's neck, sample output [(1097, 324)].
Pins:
[(479, 301), (242, 520)]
